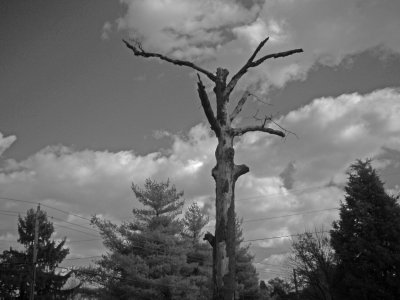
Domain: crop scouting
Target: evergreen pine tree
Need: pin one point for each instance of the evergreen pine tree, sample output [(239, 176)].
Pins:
[(366, 238), (146, 257), (16, 272), (199, 256), (246, 273), (194, 222)]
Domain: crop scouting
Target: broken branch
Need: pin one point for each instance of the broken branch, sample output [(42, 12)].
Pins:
[(205, 103), (138, 51), (251, 63), (261, 128), (275, 55), (253, 56)]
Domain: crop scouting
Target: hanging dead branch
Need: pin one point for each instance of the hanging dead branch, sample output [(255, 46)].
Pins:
[(205, 103), (239, 105)]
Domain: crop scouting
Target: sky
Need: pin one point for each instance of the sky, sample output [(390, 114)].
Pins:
[(82, 118)]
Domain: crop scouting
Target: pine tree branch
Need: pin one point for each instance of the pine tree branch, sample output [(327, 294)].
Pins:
[(138, 51)]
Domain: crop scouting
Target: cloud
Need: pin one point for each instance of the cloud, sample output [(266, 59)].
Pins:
[(6, 142), (88, 182), (107, 28), (287, 175), (226, 32), (332, 133), (185, 28)]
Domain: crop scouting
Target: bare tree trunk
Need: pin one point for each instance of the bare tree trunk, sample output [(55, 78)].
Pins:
[(225, 173)]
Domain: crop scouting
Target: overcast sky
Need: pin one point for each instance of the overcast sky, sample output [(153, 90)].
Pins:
[(81, 118)]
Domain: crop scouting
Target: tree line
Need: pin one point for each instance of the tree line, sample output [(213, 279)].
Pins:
[(162, 253), (359, 258)]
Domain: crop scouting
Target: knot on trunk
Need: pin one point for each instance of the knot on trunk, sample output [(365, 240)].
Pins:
[(210, 238), (240, 170), (214, 172)]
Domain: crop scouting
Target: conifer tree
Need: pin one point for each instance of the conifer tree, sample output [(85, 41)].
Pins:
[(194, 222), (16, 266), (366, 238), (199, 256), (146, 257), (246, 273)]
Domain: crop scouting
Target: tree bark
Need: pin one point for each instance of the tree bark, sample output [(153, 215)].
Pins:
[(225, 174)]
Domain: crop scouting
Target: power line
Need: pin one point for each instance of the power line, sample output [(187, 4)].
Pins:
[(86, 240), (15, 213), (77, 230), (67, 212), (87, 257), (282, 236), (293, 191), (75, 224), (284, 216), (290, 215), (45, 205), (18, 200), (5, 214)]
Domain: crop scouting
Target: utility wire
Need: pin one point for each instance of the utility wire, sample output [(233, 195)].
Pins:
[(290, 215), (75, 224), (78, 258), (15, 213), (77, 230), (86, 240), (285, 216), (45, 205), (282, 236)]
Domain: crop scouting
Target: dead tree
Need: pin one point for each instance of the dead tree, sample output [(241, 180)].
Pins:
[(226, 172)]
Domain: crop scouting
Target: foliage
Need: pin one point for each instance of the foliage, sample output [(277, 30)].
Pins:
[(156, 255), (17, 269), (194, 221), (280, 288), (147, 258), (264, 291), (163, 205), (246, 274), (366, 238), (199, 256), (314, 263)]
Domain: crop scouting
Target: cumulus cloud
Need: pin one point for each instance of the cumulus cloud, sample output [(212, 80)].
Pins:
[(185, 29), (87, 183), (6, 142), (228, 31), (332, 133)]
